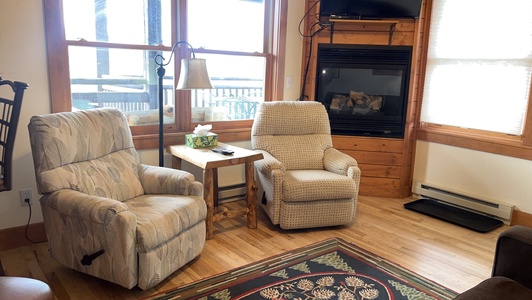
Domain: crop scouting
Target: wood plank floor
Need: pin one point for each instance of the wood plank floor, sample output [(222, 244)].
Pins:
[(450, 255)]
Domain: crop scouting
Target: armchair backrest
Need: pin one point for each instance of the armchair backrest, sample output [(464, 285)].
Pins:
[(90, 151), (297, 133)]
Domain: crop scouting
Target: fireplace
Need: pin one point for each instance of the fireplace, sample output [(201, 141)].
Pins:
[(364, 88)]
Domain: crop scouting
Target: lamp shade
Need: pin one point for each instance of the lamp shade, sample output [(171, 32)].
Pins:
[(193, 75)]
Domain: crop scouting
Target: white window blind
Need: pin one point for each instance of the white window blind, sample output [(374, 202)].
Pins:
[(479, 64)]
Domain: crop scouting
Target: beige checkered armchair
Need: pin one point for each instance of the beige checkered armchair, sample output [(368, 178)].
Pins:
[(303, 181), (105, 213)]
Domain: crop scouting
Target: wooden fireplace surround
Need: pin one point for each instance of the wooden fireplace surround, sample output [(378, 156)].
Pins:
[(386, 163)]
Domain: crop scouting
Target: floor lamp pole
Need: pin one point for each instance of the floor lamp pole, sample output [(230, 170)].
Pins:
[(160, 73), (159, 60)]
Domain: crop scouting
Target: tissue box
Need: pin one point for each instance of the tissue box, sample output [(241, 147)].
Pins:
[(195, 141)]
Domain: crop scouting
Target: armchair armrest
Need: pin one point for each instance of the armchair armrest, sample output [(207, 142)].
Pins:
[(339, 162), (80, 205), (268, 164), (160, 180), (86, 231), (512, 255)]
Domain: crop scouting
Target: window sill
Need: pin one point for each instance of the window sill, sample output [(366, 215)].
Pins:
[(497, 144), (151, 141)]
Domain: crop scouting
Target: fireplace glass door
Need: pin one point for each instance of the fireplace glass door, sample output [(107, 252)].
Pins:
[(364, 88)]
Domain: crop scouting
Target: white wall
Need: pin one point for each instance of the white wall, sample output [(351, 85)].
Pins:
[(496, 177), (23, 58), (294, 48)]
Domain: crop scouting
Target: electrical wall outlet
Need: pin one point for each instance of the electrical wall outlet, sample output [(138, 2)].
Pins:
[(26, 197)]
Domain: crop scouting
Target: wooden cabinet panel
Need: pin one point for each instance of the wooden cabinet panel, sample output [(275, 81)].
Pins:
[(367, 144), (380, 171), (379, 159), (384, 187), (375, 158)]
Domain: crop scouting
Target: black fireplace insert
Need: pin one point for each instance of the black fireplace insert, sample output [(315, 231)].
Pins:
[(364, 88)]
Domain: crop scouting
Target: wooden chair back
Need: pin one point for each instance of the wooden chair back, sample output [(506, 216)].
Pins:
[(11, 93)]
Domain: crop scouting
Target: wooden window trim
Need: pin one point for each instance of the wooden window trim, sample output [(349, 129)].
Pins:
[(507, 145), (146, 137), (58, 64)]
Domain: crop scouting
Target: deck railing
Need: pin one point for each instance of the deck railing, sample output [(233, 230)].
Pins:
[(237, 102)]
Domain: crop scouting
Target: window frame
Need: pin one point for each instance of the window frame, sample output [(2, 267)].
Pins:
[(518, 146), (146, 137)]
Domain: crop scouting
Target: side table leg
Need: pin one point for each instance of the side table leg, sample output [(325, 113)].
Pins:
[(208, 188), (176, 163), (251, 196), (215, 187)]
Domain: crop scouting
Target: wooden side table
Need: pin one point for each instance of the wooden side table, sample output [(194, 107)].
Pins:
[(210, 161)]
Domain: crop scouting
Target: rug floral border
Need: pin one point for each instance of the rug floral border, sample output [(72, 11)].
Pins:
[(280, 261)]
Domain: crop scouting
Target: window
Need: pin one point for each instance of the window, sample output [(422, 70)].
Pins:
[(111, 57), (237, 57), (478, 71), (101, 57)]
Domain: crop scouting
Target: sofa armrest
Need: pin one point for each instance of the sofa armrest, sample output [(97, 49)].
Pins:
[(268, 164), (160, 180), (512, 255)]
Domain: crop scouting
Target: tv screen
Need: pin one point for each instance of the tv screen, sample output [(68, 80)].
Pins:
[(370, 9)]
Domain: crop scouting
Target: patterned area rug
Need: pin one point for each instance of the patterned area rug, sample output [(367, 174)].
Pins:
[(332, 269)]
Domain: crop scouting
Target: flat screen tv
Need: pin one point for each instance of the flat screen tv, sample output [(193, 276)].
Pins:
[(369, 9)]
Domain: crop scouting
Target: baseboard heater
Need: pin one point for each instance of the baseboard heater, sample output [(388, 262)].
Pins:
[(469, 211), (232, 193)]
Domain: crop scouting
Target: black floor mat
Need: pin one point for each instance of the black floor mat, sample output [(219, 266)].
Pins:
[(454, 215)]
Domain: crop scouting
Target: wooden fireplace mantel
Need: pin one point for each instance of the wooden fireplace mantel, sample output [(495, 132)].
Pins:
[(387, 22)]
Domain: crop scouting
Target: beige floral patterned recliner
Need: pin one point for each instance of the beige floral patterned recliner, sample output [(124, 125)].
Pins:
[(105, 213), (306, 182)]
